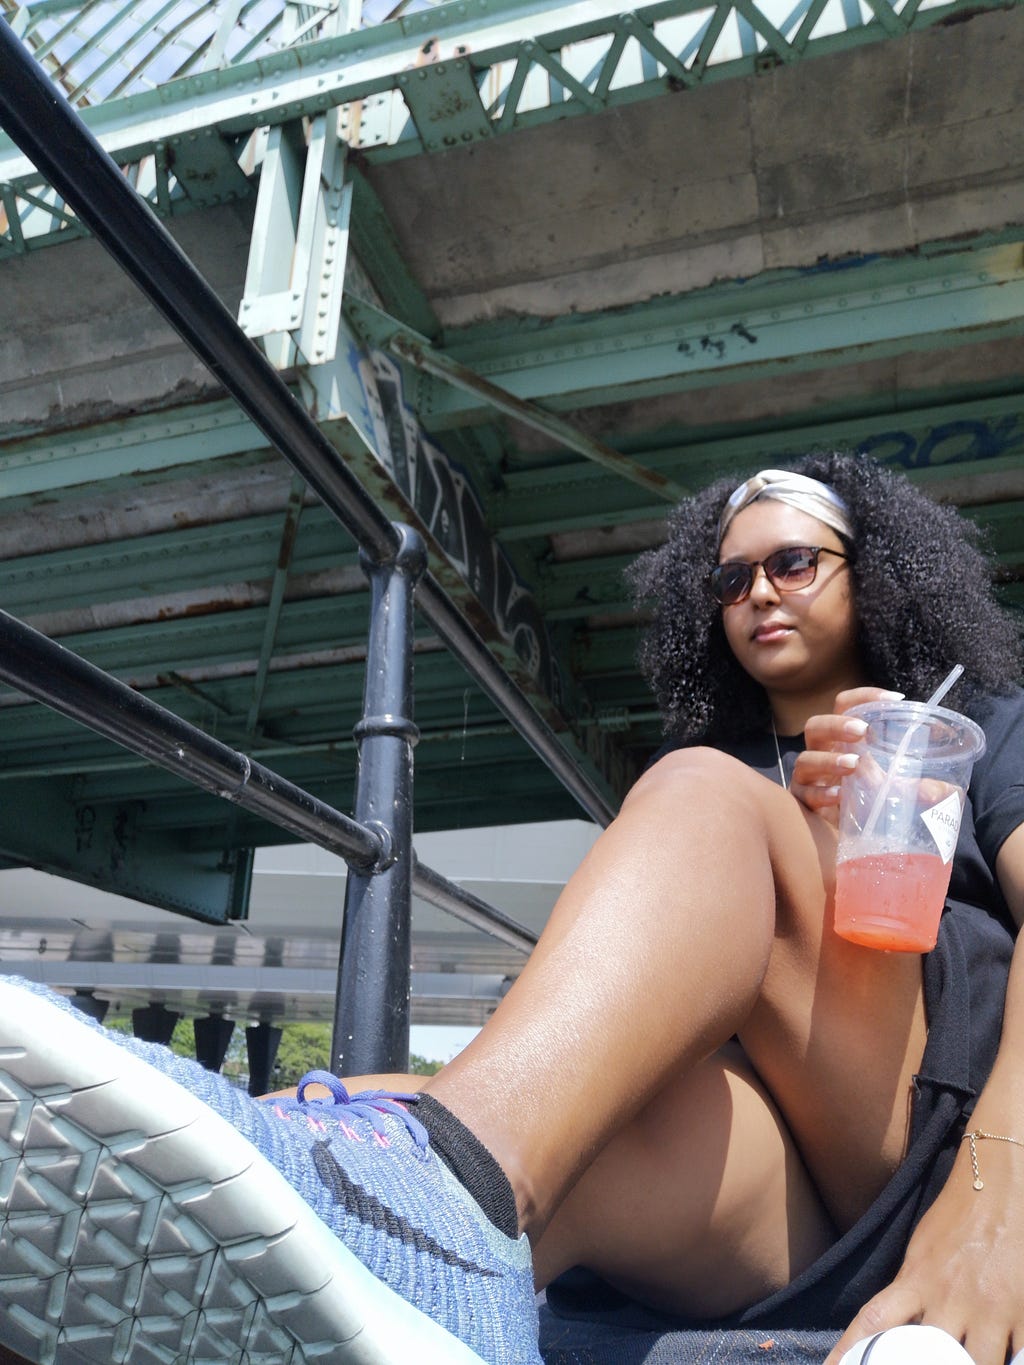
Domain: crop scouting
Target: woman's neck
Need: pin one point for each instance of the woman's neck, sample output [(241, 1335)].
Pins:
[(791, 711)]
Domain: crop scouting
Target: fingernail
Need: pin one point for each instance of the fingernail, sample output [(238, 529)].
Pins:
[(892, 696), (855, 729), (846, 761)]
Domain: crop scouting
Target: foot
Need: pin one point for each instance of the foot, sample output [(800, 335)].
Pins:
[(151, 1212)]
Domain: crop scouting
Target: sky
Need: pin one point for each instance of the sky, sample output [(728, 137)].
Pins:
[(439, 1042)]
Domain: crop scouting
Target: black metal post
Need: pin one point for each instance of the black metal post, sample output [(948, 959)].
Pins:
[(371, 1021), (154, 1023), (261, 1042), (213, 1038)]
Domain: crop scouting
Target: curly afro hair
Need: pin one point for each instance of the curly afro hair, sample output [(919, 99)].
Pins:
[(921, 583)]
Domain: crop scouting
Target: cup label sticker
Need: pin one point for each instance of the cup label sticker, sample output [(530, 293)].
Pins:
[(943, 823)]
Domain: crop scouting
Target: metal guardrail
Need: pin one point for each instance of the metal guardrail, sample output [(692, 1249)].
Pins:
[(371, 1020), (61, 679)]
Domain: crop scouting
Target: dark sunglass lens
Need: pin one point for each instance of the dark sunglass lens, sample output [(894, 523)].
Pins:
[(730, 582), (793, 567)]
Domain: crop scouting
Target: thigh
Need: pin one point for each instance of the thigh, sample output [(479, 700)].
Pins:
[(700, 1206), (838, 1030)]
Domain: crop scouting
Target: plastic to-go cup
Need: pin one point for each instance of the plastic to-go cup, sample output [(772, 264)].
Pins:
[(899, 817)]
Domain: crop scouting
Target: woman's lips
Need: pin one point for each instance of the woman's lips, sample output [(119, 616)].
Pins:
[(770, 632)]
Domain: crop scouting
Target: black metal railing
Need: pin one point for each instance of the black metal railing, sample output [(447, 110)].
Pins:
[(372, 1006)]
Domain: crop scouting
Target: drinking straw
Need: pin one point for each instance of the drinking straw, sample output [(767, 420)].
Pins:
[(904, 744), (945, 685)]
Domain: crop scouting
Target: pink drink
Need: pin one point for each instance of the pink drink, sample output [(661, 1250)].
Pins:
[(891, 900)]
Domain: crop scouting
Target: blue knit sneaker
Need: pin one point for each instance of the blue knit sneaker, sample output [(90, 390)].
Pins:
[(150, 1212)]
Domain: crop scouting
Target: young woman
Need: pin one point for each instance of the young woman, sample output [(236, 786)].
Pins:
[(695, 1090), (827, 586)]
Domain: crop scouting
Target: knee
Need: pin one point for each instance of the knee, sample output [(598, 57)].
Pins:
[(702, 773), (707, 794)]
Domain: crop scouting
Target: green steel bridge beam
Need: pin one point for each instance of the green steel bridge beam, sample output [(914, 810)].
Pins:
[(970, 453), (193, 133), (417, 352), (415, 482), (156, 264), (289, 531), (725, 334)]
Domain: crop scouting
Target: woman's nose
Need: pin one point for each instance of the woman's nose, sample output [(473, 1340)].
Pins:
[(763, 590)]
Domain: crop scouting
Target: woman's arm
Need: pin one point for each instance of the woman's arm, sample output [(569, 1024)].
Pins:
[(962, 1269)]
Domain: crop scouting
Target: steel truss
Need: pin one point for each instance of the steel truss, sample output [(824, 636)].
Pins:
[(189, 129)]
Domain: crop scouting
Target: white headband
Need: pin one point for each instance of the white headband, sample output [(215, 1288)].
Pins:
[(808, 495)]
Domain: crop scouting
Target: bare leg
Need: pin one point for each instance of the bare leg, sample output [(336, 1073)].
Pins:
[(700, 1206), (702, 912)]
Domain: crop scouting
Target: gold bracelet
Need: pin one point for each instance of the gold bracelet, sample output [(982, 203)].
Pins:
[(974, 1138)]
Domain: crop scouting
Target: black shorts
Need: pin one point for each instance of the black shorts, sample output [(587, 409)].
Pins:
[(964, 988)]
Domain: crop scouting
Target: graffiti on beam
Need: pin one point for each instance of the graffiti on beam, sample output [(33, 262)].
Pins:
[(443, 496), (959, 442)]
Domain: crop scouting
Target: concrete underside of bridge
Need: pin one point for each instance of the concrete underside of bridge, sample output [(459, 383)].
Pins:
[(827, 252)]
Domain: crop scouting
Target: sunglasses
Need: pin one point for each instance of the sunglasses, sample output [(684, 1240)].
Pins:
[(787, 570)]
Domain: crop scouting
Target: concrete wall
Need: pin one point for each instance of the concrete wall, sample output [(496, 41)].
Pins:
[(877, 149), (81, 343)]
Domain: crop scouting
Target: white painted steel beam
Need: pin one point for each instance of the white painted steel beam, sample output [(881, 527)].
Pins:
[(293, 285)]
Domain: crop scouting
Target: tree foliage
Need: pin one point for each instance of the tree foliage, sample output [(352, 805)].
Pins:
[(304, 1047)]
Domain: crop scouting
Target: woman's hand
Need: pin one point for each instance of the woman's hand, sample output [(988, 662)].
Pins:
[(962, 1267), (828, 757)]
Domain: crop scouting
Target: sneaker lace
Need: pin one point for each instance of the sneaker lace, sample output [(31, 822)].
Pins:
[(370, 1105)]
